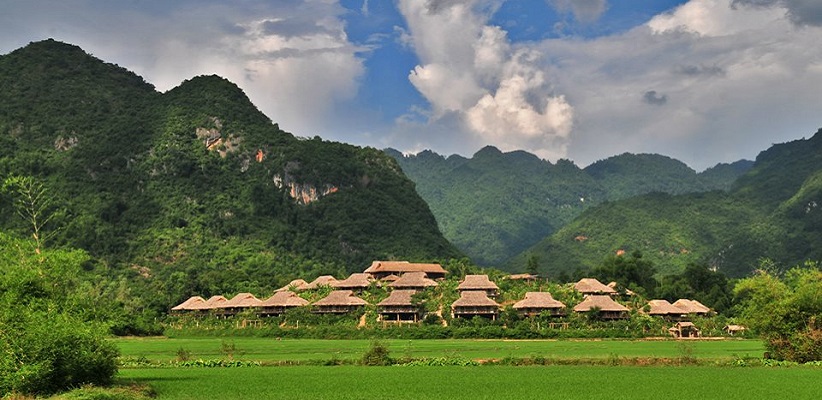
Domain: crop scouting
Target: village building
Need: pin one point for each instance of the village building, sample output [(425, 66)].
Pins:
[(281, 302), (399, 307), (211, 305), (238, 303), (474, 303), (692, 307), (356, 282), (413, 281), (478, 283), (390, 278), (295, 285), (339, 302), (523, 277), (189, 305), (608, 308), (664, 309), (381, 269), (536, 303), (734, 329), (684, 329), (324, 280), (591, 286)]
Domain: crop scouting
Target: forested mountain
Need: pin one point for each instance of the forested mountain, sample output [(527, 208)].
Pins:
[(496, 205), (772, 211), (194, 191)]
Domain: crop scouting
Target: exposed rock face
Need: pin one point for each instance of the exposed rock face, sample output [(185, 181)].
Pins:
[(65, 143), (304, 193), (213, 138)]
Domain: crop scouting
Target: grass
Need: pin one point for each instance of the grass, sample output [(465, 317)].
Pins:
[(273, 350), (476, 383)]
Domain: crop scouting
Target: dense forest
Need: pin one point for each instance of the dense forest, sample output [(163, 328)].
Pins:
[(496, 205), (772, 212), (193, 190)]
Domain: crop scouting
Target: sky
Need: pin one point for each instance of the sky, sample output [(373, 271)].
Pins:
[(702, 81)]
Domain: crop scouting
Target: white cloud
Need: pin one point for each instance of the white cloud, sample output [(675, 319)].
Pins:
[(292, 57), (496, 91), (583, 10)]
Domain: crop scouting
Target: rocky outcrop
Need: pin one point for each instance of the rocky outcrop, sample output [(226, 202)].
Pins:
[(304, 193)]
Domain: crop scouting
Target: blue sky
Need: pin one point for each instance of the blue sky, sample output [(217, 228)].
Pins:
[(704, 81)]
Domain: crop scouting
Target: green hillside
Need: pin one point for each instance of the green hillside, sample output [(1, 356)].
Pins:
[(195, 191), (496, 205), (771, 212)]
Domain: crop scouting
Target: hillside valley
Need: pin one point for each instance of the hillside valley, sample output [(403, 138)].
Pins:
[(496, 205)]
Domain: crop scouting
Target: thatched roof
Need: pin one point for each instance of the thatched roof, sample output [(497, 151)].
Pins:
[(477, 282), (685, 324), (212, 303), (663, 307), (613, 285), (592, 286), (474, 298), (523, 277), (603, 302), (398, 298), (190, 304), (296, 284), (403, 267), (538, 300), (284, 298), (390, 278), (359, 280), (242, 300), (341, 298), (325, 280), (691, 307), (413, 279)]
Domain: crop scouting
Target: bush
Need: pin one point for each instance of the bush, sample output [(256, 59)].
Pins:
[(48, 354), (377, 355)]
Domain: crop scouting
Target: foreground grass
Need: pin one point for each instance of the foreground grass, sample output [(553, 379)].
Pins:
[(475, 383), (273, 350)]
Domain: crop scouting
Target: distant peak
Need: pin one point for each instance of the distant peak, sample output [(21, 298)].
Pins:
[(488, 151)]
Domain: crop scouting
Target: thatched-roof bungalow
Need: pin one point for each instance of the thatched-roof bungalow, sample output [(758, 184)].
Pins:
[(399, 307), (280, 302), (474, 303), (189, 305), (239, 303), (295, 285), (734, 329), (413, 281), (692, 307), (590, 286), (684, 329), (535, 303), (608, 308), (213, 304), (478, 282), (523, 277), (381, 269), (339, 302), (664, 309), (324, 280), (356, 282)]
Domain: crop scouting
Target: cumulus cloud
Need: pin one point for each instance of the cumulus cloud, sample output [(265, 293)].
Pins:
[(583, 10), (292, 57), (801, 12), (497, 91), (653, 98)]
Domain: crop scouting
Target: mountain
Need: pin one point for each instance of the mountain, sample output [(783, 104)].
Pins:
[(196, 187), (495, 205), (772, 211)]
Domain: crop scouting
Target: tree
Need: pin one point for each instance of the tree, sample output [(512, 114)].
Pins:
[(532, 265), (34, 204), (632, 271), (786, 312)]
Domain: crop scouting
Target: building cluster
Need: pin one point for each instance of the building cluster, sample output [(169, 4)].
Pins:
[(477, 298)]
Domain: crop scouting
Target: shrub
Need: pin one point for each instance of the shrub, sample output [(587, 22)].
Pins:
[(377, 355)]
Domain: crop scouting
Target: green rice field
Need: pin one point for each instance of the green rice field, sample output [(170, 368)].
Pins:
[(480, 382), (273, 350)]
